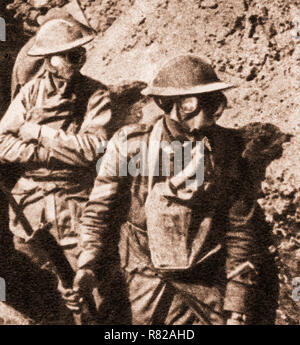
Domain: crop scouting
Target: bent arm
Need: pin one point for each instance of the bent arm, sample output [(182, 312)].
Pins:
[(82, 148), (95, 221), (12, 148), (241, 248)]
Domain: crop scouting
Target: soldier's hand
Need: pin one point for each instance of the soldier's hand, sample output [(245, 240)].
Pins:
[(29, 131), (72, 299), (237, 319), (84, 281), (36, 115)]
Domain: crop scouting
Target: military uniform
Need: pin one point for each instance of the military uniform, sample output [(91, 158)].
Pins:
[(224, 210), (68, 125)]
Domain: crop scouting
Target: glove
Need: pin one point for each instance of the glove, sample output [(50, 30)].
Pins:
[(84, 282), (237, 319)]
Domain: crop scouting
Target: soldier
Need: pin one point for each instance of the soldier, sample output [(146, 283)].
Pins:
[(187, 249), (27, 67), (54, 129)]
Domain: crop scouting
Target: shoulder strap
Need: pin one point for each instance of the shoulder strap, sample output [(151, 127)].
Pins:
[(153, 151)]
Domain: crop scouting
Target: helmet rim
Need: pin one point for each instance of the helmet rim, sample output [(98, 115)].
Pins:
[(59, 35), (185, 75), (39, 51), (171, 91)]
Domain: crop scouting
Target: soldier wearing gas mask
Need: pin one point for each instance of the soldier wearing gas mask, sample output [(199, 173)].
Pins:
[(54, 130), (187, 245)]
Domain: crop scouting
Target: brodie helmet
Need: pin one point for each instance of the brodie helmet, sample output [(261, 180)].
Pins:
[(59, 35), (185, 75)]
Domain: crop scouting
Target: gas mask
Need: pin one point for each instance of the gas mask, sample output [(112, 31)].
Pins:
[(194, 112), (64, 65)]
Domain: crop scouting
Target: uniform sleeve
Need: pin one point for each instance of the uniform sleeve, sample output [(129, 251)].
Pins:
[(83, 148), (12, 148), (241, 247), (95, 221)]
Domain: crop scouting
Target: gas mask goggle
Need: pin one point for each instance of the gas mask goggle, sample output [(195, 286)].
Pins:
[(76, 56), (190, 105), (73, 57)]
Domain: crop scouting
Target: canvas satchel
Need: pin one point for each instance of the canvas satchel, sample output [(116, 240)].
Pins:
[(169, 219)]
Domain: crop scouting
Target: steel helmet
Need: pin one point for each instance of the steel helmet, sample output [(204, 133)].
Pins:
[(59, 35), (185, 75)]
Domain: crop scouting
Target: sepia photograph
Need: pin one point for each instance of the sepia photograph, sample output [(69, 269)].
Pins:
[(150, 165)]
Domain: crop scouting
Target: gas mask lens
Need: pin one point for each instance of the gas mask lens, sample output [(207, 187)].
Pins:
[(211, 103), (165, 103), (188, 105), (75, 57)]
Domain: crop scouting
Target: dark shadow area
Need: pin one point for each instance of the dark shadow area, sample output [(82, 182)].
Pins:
[(124, 98), (263, 144), (116, 309)]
